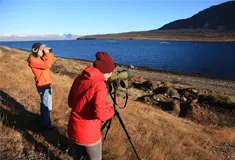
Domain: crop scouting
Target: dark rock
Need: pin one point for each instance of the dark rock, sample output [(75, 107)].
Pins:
[(188, 94), (183, 99), (195, 91), (198, 114), (166, 106), (185, 109), (156, 97), (174, 93), (176, 108), (146, 99), (145, 86), (162, 90), (155, 85)]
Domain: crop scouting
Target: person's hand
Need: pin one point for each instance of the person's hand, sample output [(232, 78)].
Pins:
[(46, 50)]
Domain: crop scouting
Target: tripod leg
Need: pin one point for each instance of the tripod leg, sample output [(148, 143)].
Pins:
[(108, 127), (129, 138), (104, 125)]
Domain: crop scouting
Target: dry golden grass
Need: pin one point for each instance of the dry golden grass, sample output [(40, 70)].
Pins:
[(10, 141), (156, 134)]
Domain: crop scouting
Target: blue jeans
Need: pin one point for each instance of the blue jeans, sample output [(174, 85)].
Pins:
[(45, 105)]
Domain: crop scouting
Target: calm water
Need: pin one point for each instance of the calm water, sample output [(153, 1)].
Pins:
[(207, 58)]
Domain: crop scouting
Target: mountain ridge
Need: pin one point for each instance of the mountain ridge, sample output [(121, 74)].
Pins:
[(199, 27), (215, 17)]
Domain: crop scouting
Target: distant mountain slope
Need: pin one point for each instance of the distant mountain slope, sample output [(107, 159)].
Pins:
[(32, 37), (220, 17), (216, 23)]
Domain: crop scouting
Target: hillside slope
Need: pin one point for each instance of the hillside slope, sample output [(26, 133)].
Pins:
[(219, 17), (156, 134), (212, 24)]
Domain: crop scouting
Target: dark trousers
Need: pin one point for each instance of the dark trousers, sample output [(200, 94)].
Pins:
[(87, 152)]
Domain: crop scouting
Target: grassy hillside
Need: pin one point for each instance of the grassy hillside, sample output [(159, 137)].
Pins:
[(156, 134)]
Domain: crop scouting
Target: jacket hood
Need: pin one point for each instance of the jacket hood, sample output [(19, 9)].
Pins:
[(92, 73)]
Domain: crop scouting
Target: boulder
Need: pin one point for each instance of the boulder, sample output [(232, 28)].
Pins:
[(188, 94), (155, 85), (163, 90), (172, 107), (185, 109), (183, 99), (195, 91), (176, 108), (167, 91), (145, 86), (146, 99), (174, 93), (137, 79)]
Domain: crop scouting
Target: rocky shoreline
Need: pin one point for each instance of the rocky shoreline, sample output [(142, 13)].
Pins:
[(213, 83), (202, 106)]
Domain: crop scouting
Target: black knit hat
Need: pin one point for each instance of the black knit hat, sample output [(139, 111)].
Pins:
[(36, 47)]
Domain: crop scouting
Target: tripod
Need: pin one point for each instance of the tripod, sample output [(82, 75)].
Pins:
[(108, 122)]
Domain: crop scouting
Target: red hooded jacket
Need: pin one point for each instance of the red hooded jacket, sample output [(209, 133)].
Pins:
[(88, 101)]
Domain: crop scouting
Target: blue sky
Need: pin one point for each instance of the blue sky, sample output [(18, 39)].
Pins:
[(93, 16)]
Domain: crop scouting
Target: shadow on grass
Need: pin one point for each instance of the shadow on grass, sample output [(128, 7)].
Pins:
[(15, 116)]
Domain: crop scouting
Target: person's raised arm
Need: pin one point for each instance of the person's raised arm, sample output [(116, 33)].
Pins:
[(46, 63)]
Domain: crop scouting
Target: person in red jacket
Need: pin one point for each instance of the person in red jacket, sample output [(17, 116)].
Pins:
[(40, 61), (90, 107)]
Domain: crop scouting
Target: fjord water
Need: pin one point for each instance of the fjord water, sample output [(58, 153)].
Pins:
[(215, 59)]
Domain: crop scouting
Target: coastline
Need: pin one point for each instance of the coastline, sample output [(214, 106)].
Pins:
[(149, 69), (179, 78), (199, 35), (136, 39), (219, 85), (165, 39)]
